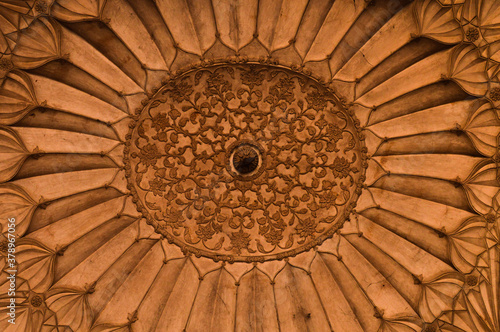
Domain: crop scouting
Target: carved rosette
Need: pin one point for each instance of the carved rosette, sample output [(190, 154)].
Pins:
[(245, 162)]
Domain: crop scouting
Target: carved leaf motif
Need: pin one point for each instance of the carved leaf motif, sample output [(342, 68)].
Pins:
[(17, 97), (16, 203), (468, 69), (71, 307), (73, 10), (35, 264), (437, 22), (467, 243), (12, 153), (438, 295), (482, 188), (38, 44), (483, 128)]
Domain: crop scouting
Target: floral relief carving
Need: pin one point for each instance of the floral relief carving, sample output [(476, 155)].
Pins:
[(472, 34), (187, 155)]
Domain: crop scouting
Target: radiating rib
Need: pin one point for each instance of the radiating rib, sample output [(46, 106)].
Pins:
[(214, 307), (341, 16), (153, 22), (439, 118), (54, 186), (278, 21), (255, 306), (236, 21), (340, 315), (66, 98), (299, 307), (62, 233), (428, 71), (392, 36), (127, 25), (48, 141), (446, 167), (185, 23), (130, 295), (86, 57)]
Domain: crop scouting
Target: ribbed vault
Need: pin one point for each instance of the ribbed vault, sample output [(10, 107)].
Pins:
[(417, 247)]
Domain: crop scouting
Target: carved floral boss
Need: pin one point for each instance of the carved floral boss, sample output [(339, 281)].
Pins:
[(245, 162)]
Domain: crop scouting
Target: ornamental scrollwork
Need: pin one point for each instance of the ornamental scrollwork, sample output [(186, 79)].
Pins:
[(245, 161)]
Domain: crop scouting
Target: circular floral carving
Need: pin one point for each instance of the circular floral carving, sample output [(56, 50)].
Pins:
[(430, 328), (245, 162), (36, 301), (41, 6), (4, 245), (471, 280), (6, 64), (490, 218), (472, 34), (495, 94)]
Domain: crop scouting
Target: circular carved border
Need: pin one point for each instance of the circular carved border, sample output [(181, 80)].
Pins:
[(187, 249)]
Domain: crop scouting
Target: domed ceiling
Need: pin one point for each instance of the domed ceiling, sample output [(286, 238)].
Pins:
[(257, 165)]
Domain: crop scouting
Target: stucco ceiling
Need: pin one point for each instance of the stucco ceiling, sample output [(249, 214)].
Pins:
[(257, 165)]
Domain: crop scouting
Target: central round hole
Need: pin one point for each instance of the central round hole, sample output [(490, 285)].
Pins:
[(245, 159)]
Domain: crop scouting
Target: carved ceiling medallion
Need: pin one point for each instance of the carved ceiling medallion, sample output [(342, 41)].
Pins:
[(245, 162)]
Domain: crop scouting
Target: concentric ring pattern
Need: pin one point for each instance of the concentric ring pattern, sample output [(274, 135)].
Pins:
[(420, 250)]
